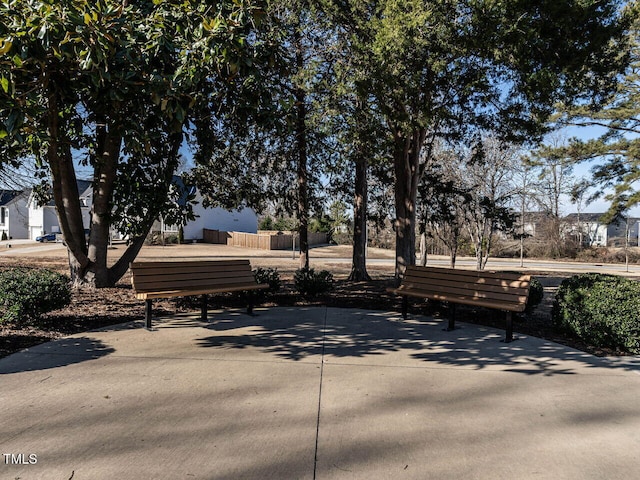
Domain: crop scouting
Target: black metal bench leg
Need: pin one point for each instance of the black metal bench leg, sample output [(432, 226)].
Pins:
[(203, 310), (147, 313), (405, 306), (452, 317), (509, 327)]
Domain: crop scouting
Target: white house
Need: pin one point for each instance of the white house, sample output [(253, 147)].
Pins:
[(43, 219), (14, 214), (238, 220), (596, 233)]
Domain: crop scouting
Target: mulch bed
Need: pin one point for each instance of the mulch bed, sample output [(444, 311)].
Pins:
[(92, 309)]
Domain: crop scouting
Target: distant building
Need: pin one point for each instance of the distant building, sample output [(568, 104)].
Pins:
[(14, 214), (594, 232), (21, 215), (238, 220), (533, 224), (43, 219)]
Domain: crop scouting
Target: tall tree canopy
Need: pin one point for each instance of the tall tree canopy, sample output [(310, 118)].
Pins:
[(278, 151), (442, 68), (618, 148), (112, 85)]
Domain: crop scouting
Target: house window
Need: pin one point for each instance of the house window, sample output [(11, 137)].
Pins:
[(3, 215)]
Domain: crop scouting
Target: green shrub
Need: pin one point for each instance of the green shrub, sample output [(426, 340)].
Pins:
[(536, 293), (269, 276), (603, 310), (26, 294), (308, 282)]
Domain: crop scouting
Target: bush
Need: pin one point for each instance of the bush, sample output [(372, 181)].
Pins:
[(536, 293), (26, 294), (308, 282), (600, 309), (269, 276)]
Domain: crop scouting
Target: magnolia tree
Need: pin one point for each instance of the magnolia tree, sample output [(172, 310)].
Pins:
[(111, 86)]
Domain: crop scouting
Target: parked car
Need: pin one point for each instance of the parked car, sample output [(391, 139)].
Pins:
[(49, 237)]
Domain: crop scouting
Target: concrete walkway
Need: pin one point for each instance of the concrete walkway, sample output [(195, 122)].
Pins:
[(304, 393)]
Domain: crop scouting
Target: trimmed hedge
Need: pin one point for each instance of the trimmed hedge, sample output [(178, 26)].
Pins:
[(310, 283), (270, 276), (536, 293), (26, 294), (603, 310)]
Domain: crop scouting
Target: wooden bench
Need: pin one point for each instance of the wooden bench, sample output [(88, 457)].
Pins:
[(504, 291), (166, 279)]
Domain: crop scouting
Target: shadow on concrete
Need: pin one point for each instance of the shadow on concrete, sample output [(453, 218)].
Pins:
[(59, 353), (344, 334)]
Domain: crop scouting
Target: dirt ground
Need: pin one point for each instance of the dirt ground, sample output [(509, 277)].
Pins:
[(91, 309)]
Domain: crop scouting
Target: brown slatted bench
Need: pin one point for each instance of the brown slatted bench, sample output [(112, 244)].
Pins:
[(166, 279), (504, 291)]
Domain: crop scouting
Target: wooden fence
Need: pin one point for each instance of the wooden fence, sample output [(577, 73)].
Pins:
[(215, 236), (262, 241)]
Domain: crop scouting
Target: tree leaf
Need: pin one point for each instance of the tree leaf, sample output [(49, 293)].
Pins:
[(6, 46)]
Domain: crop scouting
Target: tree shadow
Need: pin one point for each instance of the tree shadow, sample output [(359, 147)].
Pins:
[(58, 353), (297, 334)]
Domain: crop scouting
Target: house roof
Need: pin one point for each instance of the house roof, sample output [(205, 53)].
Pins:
[(7, 195), (83, 186), (584, 217), (595, 217)]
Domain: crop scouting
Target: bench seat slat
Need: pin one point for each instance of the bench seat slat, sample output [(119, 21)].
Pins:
[(201, 291), (143, 265), (161, 283), (440, 272), (519, 288), (456, 291), (492, 278), (516, 305), (190, 269)]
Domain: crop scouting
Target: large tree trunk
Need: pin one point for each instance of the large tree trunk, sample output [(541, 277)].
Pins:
[(303, 186), (64, 184), (359, 262), (104, 177), (423, 248), (407, 177), (301, 146)]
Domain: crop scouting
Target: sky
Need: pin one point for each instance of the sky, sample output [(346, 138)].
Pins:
[(583, 170)]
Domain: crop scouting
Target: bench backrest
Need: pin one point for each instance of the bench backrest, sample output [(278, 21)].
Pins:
[(152, 276), (502, 289)]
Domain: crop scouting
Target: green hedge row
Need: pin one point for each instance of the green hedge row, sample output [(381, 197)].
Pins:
[(26, 294), (603, 310)]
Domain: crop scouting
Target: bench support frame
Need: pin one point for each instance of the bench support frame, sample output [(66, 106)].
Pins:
[(505, 292), (204, 311), (147, 314)]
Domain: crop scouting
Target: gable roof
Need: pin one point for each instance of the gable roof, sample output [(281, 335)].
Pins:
[(7, 195), (584, 217), (83, 186)]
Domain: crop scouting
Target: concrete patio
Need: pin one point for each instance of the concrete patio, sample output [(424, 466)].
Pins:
[(315, 393)]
